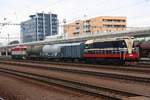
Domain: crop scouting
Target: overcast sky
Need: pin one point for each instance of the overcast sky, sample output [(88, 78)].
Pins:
[(15, 11)]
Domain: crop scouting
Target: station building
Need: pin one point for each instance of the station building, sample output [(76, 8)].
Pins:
[(38, 27), (96, 25)]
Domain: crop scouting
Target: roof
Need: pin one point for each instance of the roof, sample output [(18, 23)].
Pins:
[(108, 39)]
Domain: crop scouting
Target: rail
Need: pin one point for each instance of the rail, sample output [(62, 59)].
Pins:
[(83, 71), (72, 84)]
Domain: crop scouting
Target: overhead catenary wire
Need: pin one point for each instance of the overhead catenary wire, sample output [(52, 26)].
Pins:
[(113, 10), (124, 7)]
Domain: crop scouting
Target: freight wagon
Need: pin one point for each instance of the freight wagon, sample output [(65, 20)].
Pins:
[(144, 49)]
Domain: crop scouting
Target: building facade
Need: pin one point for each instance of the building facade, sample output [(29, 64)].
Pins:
[(95, 25), (38, 27)]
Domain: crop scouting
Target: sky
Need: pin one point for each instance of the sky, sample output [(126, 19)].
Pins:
[(16, 11)]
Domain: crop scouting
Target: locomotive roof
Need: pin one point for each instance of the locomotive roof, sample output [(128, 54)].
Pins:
[(107, 39), (68, 44), (20, 46)]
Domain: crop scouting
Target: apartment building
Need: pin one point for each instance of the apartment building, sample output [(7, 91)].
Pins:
[(39, 26), (95, 25)]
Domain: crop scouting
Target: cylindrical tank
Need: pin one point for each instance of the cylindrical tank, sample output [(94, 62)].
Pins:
[(51, 48), (34, 50)]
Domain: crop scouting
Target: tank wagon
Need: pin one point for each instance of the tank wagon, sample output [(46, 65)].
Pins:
[(115, 49)]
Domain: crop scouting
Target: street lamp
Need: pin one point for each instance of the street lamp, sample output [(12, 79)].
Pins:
[(64, 28), (8, 38)]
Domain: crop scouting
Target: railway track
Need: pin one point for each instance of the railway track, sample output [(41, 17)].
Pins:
[(145, 61), (137, 68), (93, 70), (113, 94), (114, 73), (139, 65), (80, 71)]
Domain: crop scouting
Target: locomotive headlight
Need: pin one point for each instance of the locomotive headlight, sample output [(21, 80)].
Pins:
[(130, 55)]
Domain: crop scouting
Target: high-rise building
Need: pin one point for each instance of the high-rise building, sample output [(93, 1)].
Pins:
[(95, 25), (38, 27)]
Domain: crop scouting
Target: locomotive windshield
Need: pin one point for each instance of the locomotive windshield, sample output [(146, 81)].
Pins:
[(88, 46)]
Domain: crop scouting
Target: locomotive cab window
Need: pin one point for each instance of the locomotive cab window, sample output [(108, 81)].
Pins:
[(88, 46), (119, 44)]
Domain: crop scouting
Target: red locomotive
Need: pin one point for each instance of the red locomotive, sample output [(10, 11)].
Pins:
[(120, 50)]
